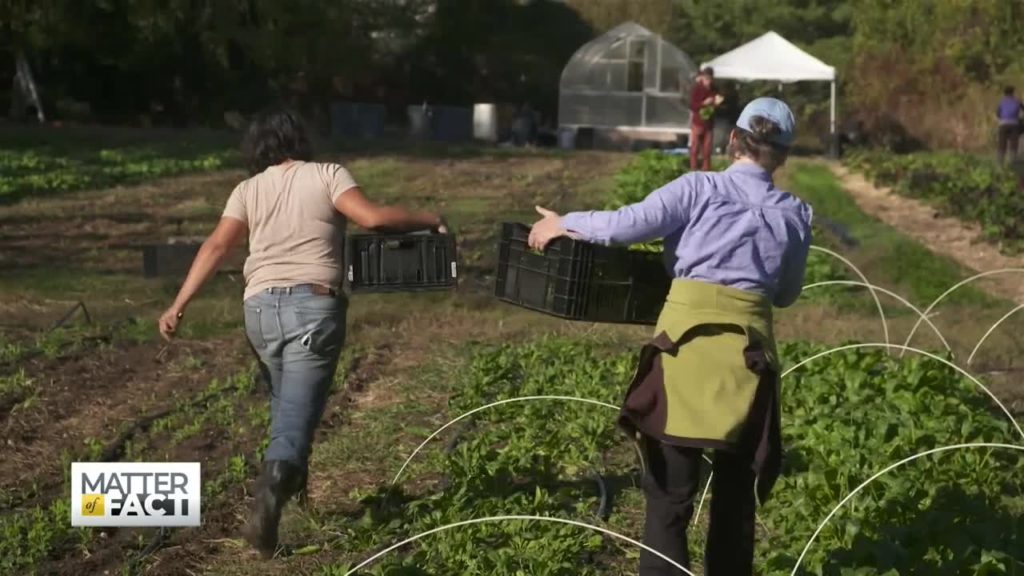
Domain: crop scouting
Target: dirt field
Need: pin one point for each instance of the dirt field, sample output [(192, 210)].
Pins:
[(107, 389), (942, 234)]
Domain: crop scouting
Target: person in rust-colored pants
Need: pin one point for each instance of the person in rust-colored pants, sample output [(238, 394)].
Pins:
[(702, 95), (700, 145)]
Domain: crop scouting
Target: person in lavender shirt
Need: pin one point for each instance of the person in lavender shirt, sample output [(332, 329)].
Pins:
[(736, 247), (1008, 115)]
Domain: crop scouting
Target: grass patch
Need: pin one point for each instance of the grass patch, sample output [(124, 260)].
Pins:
[(15, 388), (10, 352), (886, 256), (69, 282), (380, 178)]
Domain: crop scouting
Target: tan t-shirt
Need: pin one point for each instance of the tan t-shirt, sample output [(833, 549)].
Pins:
[(296, 236)]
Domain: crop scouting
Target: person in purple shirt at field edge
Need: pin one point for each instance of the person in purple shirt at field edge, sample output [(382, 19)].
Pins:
[(736, 247), (1008, 114)]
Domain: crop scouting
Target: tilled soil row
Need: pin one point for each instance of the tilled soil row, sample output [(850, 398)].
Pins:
[(81, 405), (186, 550)]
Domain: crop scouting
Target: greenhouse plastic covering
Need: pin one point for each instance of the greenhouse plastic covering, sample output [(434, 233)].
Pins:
[(627, 78)]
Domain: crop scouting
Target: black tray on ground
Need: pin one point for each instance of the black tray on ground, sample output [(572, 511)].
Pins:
[(171, 259), (401, 262), (581, 281)]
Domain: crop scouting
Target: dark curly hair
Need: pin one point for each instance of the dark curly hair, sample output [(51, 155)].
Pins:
[(275, 136)]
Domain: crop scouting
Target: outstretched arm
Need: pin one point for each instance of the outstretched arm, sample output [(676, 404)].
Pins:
[(228, 234), (664, 211)]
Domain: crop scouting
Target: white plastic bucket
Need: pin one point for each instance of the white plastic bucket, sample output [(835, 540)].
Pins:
[(485, 122)]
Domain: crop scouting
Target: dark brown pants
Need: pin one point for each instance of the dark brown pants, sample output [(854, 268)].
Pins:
[(1009, 136), (672, 486)]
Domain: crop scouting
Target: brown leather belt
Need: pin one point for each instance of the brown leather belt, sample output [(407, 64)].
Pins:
[(315, 289), (323, 291)]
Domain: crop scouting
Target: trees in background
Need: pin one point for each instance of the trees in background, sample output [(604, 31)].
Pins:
[(655, 15), (194, 59), (934, 68), (179, 60), (931, 68)]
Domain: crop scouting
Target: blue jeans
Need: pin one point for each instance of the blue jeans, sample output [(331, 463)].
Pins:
[(298, 337)]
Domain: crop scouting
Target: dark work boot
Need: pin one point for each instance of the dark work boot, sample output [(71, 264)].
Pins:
[(302, 493), (278, 481)]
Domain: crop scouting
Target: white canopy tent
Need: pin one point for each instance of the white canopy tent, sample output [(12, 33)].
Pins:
[(771, 57)]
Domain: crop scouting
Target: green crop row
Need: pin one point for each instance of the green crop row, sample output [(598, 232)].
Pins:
[(846, 416), (25, 172), (961, 185)]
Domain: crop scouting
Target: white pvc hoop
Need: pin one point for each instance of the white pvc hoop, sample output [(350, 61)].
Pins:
[(952, 289), (990, 330), (884, 471), (904, 301), (604, 531), (864, 279), (491, 405)]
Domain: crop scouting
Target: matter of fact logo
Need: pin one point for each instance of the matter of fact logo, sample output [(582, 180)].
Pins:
[(135, 494)]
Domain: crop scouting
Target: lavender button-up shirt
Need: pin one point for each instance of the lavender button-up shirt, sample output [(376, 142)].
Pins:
[(1008, 111), (732, 228)]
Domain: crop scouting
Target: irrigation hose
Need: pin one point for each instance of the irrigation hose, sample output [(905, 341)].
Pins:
[(603, 509)]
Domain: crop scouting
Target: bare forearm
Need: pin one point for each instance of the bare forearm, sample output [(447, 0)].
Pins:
[(208, 259), (396, 219)]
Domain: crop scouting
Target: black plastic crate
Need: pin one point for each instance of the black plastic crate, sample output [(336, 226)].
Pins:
[(581, 281), (173, 259), (401, 262)]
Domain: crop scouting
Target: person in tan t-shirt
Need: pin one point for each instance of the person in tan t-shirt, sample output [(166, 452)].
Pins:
[(294, 212)]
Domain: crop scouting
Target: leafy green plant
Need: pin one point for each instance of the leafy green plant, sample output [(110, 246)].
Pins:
[(962, 185), (93, 449), (10, 352), (28, 536), (849, 415), (822, 267), (15, 388), (846, 416), (648, 171)]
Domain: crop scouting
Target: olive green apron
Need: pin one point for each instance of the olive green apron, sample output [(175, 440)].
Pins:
[(709, 379)]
